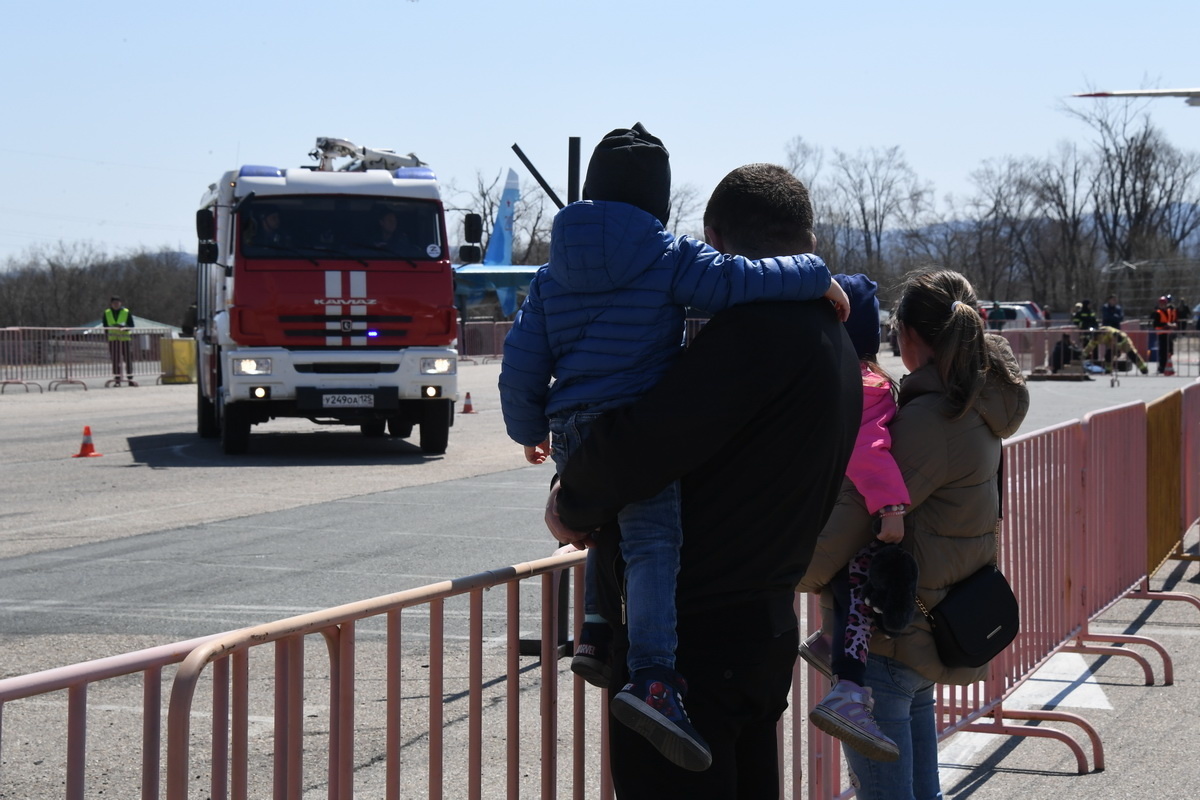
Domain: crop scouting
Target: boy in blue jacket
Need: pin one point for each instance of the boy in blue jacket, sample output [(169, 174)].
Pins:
[(603, 321)]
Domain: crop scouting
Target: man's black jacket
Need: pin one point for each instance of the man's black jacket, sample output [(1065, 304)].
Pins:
[(759, 419)]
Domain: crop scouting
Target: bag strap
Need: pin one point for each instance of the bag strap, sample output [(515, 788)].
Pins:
[(999, 505), (999, 517)]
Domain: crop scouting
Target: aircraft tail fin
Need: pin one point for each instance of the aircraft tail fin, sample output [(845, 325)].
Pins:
[(500, 245)]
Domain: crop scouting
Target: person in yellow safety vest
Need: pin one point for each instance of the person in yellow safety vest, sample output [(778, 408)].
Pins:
[(1112, 339), (118, 320)]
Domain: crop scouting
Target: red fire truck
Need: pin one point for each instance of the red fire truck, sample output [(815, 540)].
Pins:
[(326, 293)]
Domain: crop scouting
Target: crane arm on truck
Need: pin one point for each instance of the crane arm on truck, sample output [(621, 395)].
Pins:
[(363, 158)]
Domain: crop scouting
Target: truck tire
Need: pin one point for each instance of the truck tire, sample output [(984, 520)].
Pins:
[(435, 427), (398, 428), (235, 429), (206, 416), (373, 429)]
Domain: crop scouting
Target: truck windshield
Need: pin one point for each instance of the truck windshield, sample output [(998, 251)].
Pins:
[(320, 227)]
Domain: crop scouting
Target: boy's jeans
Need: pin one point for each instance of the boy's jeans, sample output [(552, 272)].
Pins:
[(650, 541)]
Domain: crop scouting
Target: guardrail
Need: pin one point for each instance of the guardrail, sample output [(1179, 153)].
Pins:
[(52, 357), (441, 720), (1034, 348), (56, 357)]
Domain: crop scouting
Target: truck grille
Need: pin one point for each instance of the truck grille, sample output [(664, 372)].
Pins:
[(345, 368), (357, 325)]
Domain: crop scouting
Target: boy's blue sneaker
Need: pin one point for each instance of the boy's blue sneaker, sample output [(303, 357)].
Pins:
[(592, 660), (652, 705)]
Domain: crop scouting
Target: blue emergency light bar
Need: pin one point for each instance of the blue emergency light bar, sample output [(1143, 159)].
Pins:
[(415, 174), (257, 171)]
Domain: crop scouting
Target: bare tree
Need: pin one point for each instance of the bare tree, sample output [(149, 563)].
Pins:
[(1180, 217), (1062, 245), (1004, 214), (485, 201), (871, 191), (531, 229), (686, 209), (69, 284), (531, 216), (804, 160), (937, 240), (1139, 185)]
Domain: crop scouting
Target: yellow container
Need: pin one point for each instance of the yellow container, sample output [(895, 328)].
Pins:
[(178, 361)]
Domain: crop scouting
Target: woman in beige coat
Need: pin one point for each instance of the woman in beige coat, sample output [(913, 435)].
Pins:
[(964, 393)]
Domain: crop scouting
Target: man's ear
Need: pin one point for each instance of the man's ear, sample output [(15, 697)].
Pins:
[(812, 243), (714, 238)]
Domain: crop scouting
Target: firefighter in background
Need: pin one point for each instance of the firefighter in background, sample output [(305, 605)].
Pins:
[(1113, 339), (1084, 318), (1164, 321), (118, 320)]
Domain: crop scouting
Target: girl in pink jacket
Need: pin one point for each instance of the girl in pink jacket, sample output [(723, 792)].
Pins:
[(877, 588)]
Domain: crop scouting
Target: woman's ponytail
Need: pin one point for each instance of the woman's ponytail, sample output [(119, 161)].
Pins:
[(940, 307)]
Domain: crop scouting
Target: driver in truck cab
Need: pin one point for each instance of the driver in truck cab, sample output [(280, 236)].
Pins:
[(267, 228)]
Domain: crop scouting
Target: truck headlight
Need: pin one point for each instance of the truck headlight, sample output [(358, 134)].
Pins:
[(438, 366), (252, 366)]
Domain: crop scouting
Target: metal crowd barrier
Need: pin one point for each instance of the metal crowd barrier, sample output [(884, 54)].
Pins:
[(482, 340), (31, 357), (1190, 472), (286, 707), (1034, 348)]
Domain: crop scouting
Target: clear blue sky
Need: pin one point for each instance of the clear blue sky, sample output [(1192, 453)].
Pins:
[(117, 115)]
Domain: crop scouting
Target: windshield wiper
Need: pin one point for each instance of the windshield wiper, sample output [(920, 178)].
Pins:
[(290, 250), (340, 253), (388, 251)]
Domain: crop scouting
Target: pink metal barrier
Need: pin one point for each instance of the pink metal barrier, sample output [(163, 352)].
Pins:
[(440, 720), (1191, 455), (75, 681), (1034, 348), (1113, 538), (72, 356), (492, 678)]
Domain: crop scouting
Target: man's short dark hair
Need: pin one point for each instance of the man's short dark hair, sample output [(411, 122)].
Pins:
[(763, 206)]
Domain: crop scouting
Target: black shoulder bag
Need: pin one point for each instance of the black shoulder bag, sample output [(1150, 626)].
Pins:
[(979, 616)]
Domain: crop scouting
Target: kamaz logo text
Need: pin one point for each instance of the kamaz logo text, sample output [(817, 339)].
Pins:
[(337, 301)]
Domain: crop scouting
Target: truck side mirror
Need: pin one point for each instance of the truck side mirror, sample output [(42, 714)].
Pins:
[(469, 254), (473, 228), (206, 225), (206, 253)]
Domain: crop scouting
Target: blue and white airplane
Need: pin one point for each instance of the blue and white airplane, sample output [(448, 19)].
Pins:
[(497, 277)]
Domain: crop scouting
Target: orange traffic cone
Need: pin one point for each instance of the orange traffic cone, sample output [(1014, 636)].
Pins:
[(1169, 370), (87, 450), (467, 407)]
